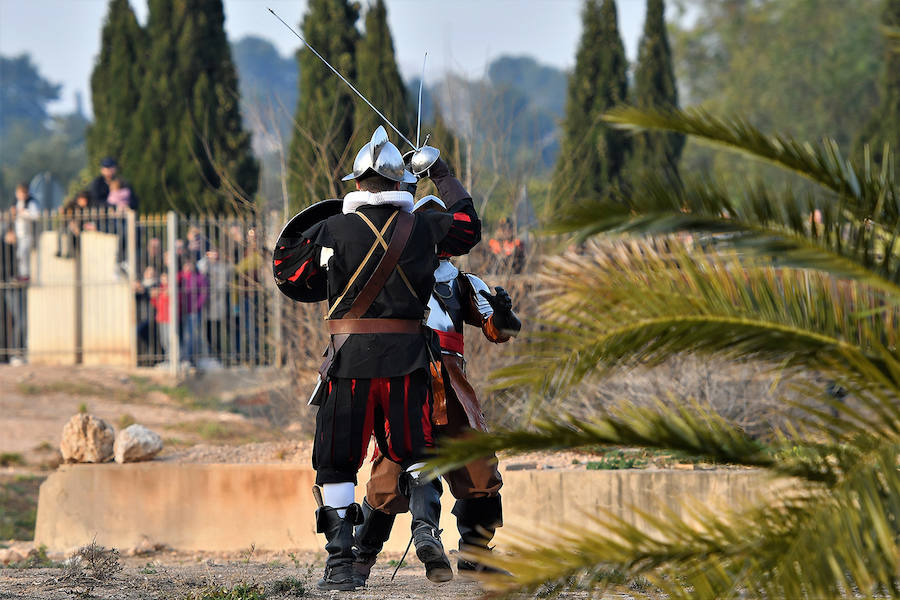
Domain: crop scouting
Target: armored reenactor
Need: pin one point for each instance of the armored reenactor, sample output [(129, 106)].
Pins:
[(374, 262), (458, 298)]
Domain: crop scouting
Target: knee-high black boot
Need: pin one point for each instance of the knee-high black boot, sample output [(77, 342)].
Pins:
[(425, 508), (369, 540), (339, 535), (477, 519)]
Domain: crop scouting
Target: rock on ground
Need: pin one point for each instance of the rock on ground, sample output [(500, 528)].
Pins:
[(86, 438), (136, 443)]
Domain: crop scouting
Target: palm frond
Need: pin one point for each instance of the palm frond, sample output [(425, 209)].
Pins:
[(790, 231), (808, 540), (626, 304), (691, 430), (822, 164)]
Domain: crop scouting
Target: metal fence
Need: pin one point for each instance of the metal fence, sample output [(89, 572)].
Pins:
[(168, 291), (108, 287)]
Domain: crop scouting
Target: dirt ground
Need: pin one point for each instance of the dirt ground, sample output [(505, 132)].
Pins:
[(35, 403), (179, 576)]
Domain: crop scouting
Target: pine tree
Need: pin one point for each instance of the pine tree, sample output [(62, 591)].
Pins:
[(378, 78), (592, 153), (320, 149), (196, 154), (115, 85), (655, 153), (884, 127)]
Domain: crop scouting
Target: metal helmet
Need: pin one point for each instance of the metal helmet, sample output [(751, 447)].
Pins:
[(381, 157), (430, 202)]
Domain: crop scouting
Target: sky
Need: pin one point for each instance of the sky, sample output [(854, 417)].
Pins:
[(464, 36)]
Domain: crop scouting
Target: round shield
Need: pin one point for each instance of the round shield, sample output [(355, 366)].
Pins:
[(316, 289)]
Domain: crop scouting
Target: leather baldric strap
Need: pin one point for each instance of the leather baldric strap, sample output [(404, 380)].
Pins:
[(384, 268), (344, 326), (351, 323)]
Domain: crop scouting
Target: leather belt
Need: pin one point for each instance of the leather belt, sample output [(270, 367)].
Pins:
[(346, 326)]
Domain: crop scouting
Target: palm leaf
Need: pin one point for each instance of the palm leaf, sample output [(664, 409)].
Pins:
[(822, 164), (821, 538), (806, 541), (692, 431), (779, 227), (653, 304)]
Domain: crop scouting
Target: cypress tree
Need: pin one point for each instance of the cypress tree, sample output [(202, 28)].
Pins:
[(884, 127), (655, 88), (115, 85), (379, 80), (320, 150), (592, 153), (196, 153)]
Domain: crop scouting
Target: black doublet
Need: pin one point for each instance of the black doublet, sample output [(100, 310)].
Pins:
[(380, 355), (297, 261)]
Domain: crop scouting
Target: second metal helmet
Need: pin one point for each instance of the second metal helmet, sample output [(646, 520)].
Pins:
[(382, 157)]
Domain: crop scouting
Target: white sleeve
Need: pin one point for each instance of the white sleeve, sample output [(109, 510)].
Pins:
[(324, 255)]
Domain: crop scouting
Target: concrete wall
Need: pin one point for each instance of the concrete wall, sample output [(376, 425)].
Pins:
[(51, 305), (109, 334), (109, 330), (230, 507)]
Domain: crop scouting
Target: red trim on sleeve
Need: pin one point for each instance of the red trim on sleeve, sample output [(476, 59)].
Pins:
[(462, 217), (298, 272)]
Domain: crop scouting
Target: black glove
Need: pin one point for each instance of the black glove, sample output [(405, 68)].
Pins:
[(504, 318), (438, 170)]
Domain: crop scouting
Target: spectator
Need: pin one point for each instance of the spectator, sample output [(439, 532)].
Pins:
[(236, 235), (180, 253), (26, 211), (69, 230), (119, 197), (118, 202), (13, 286), (507, 249), (219, 274), (83, 204), (99, 187), (8, 283), (154, 256), (247, 306), (83, 200), (146, 329), (193, 289), (159, 299), (195, 247)]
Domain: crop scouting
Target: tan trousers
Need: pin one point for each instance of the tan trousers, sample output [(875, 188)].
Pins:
[(478, 479)]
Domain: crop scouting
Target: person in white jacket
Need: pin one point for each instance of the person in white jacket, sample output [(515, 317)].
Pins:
[(26, 211)]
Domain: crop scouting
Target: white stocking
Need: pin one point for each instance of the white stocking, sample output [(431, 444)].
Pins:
[(339, 495)]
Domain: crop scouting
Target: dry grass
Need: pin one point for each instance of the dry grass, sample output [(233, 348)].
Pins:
[(18, 506), (89, 567)]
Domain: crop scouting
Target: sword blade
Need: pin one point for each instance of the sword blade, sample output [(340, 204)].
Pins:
[(419, 116), (344, 79)]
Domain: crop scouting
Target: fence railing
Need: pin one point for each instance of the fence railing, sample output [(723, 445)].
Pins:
[(167, 291), (107, 287)]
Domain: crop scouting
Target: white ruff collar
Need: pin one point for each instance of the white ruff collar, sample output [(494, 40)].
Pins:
[(400, 199), (445, 272)]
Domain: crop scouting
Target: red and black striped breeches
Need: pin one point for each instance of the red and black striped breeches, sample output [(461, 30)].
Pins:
[(395, 409)]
